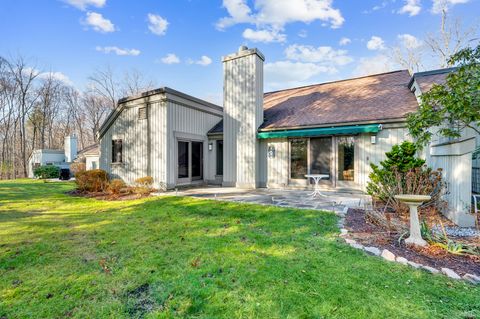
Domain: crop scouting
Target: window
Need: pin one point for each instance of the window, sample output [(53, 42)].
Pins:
[(117, 151), (219, 157), (183, 159), (298, 158), (346, 158), (142, 113)]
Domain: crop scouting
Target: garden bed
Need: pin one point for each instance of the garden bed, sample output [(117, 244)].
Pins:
[(369, 234)]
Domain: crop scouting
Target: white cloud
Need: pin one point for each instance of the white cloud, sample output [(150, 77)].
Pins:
[(83, 4), (375, 43), (170, 58), (273, 15), (322, 54), (409, 41), (99, 23), (344, 41), (377, 64), (157, 25), (264, 35), (118, 51), (412, 7), (283, 74), (58, 76), (204, 61), (439, 5)]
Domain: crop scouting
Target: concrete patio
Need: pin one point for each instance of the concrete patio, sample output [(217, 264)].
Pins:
[(331, 200)]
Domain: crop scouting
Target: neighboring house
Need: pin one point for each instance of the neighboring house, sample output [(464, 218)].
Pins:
[(61, 158), (259, 139), (90, 156)]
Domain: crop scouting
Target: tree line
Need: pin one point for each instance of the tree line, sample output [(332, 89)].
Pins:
[(38, 109)]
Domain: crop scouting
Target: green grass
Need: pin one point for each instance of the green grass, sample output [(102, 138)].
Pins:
[(63, 256)]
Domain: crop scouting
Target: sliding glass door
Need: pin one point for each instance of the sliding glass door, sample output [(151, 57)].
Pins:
[(320, 155), (189, 161)]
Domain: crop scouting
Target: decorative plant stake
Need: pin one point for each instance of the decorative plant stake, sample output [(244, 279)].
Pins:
[(413, 201)]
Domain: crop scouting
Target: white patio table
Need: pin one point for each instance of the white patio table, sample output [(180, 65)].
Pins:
[(316, 178)]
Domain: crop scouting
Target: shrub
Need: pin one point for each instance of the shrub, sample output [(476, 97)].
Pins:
[(404, 173), (116, 185), (92, 181), (144, 185), (77, 167), (47, 171)]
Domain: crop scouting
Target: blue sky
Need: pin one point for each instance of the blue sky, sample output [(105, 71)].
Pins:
[(180, 43)]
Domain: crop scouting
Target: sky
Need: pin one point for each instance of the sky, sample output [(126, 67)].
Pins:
[(179, 43)]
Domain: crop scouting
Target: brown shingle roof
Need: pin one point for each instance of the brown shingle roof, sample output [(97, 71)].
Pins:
[(377, 97), (428, 78)]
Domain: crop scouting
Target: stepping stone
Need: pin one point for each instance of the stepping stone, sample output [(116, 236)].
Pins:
[(451, 273), (388, 255)]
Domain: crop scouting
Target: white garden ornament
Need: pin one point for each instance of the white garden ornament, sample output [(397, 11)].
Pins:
[(413, 201)]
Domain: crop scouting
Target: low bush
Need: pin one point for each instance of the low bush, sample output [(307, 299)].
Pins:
[(404, 173), (77, 167), (144, 185), (92, 181), (116, 186), (47, 171)]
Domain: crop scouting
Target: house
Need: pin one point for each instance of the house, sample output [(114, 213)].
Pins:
[(260, 139), (61, 158), (90, 155)]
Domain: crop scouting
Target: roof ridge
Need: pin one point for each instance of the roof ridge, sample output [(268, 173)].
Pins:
[(336, 81)]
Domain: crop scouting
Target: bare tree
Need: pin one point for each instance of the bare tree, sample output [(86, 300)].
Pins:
[(24, 78), (450, 39), (134, 82)]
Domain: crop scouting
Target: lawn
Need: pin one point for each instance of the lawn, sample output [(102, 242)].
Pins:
[(63, 256)]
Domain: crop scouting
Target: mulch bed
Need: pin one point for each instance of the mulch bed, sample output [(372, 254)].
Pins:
[(369, 234), (106, 196)]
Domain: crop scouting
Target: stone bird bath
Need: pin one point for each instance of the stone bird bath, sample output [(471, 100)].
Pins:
[(413, 201)]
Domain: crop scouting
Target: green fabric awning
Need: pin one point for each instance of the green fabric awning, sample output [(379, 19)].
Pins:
[(337, 130)]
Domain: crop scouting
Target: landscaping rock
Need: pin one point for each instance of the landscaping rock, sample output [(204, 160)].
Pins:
[(350, 241), (357, 246), (372, 250), (430, 269), (472, 278), (343, 231), (388, 255), (402, 260), (414, 264), (450, 273)]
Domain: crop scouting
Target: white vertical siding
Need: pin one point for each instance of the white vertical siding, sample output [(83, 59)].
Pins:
[(143, 153), (243, 114), (191, 124)]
